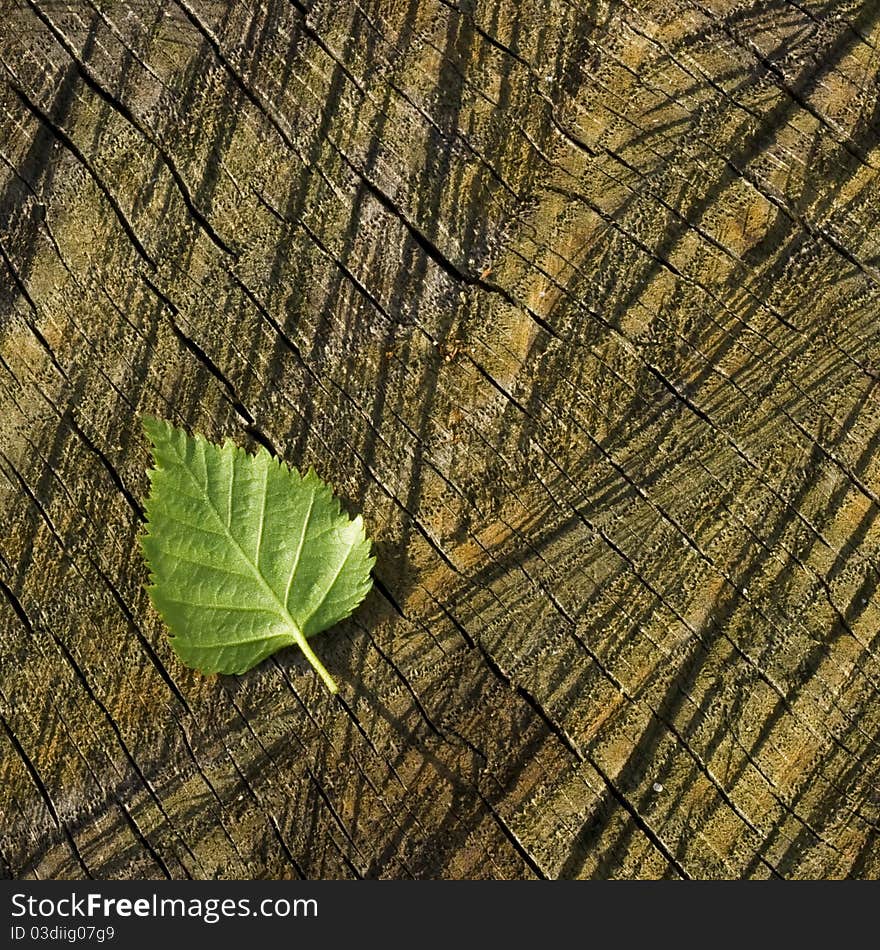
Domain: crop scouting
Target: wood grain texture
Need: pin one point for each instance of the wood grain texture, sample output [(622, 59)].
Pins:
[(578, 304)]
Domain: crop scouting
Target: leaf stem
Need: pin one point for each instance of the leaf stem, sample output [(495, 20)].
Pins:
[(312, 657)]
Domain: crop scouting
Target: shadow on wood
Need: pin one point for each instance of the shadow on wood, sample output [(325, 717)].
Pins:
[(578, 306)]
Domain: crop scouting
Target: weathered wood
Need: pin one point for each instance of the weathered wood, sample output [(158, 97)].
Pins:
[(578, 304)]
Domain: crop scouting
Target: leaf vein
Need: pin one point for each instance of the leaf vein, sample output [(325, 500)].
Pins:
[(238, 608), (330, 586), (282, 608), (188, 560), (298, 555), (262, 514)]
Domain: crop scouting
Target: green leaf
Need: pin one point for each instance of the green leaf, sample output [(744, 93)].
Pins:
[(246, 554)]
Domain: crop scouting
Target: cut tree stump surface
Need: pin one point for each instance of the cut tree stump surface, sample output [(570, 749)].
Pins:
[(579, 305)]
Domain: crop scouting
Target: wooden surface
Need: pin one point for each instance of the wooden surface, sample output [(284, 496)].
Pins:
[(579, 305)]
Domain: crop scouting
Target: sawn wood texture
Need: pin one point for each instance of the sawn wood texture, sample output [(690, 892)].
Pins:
[(578, 303)]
